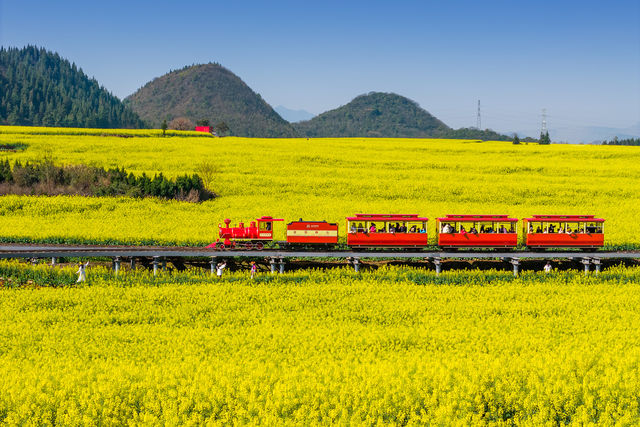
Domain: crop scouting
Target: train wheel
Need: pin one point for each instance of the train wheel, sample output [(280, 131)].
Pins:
[(220, 246), (248, 246), (259, 246)]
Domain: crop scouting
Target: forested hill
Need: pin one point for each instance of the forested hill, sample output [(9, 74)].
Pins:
[(388, 115), (40, 88), (208, 92)]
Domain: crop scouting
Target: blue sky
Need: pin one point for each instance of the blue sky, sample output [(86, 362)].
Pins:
[(578, 59)]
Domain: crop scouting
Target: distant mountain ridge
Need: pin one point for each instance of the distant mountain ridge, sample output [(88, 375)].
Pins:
[(211, 92), (293, 116), (389, 115), (39, 88), (42, 89)]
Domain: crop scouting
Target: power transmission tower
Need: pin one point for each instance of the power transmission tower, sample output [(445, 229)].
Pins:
[(478, 118), (543, 129)]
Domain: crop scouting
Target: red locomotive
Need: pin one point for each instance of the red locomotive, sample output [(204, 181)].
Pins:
[(254, 236), (410, 231), (477, 231)]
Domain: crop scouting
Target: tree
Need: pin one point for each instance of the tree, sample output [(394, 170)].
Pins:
[(202, 122), (544, 138), (516, 140), (222, 128), (181, 123), (164, 127)]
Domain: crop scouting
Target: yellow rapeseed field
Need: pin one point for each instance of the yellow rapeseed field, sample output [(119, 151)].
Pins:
[(397, 345), (319, 179)]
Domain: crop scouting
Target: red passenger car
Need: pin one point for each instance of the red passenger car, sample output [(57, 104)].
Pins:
[(576, 231), (312, 232), (254, 236), (481, 231), (374, 230)]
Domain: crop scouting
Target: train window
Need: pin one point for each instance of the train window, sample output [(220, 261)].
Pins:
[(352, 227), (264, 226)]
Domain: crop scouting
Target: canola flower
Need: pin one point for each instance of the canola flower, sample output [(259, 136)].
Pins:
[(392, 346), (321, 179)]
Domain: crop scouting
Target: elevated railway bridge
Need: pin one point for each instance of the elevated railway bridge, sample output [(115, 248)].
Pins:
[(277, 259)]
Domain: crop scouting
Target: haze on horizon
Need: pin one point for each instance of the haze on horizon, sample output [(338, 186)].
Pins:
[(579, 60)]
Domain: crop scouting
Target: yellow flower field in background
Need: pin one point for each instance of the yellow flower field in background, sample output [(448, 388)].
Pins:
[(319, 179)]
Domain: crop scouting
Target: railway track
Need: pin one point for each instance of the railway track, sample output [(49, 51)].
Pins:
[(41, 251)]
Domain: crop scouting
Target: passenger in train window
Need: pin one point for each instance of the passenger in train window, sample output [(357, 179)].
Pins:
[(539, 229), (482, 230), (372, 229), (413, 229), (423, 230), (473, 230), (392, 229), (353, 228), (447, 228), (360, 228)]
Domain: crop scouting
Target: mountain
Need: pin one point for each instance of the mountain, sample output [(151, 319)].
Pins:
[(211, 92), (293, 116), (39, 88), (374, 114), (388, 115)]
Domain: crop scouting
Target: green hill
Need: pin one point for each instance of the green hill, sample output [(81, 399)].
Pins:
[(210, 92), (374, 114), (39, 88), (388, 115)]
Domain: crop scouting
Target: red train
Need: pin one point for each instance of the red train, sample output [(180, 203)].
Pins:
[(410, 231)]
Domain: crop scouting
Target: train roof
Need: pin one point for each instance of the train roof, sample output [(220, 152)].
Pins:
[(478, 218), (564, 218), (269, 218), (300, 221), (386, 217)]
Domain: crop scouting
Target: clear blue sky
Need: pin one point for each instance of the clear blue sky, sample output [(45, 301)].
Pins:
[(578, 59)]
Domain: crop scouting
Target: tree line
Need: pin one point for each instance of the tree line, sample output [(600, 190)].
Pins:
[(627, 141), (45, 178)]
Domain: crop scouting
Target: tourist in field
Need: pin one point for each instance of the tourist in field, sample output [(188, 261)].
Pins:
[(221, 266), (82, 275), (547, 267), (254, 269)]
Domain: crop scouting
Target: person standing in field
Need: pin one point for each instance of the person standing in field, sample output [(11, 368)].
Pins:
[(82, 275), (254, 269), (548, 268), (219, 268)]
